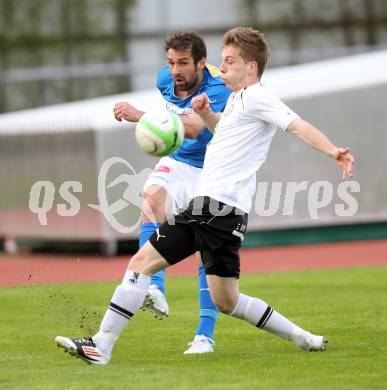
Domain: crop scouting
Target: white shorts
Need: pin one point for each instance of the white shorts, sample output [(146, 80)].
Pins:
[(177, 178)]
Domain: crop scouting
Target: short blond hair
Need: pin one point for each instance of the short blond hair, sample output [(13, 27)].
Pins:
[(252, 45)]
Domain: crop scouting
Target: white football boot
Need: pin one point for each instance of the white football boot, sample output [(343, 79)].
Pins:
[(314, 343), (200, 344), (308, 341), (156, 302)]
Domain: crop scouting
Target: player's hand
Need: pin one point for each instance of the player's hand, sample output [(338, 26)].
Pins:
[(345, 161), (201, 104), (124, 110)]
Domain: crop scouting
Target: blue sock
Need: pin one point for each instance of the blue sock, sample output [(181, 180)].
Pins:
[(208, 311), (146, 230)]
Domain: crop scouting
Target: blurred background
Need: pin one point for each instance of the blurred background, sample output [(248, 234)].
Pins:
[(62, 50), (328, 63)]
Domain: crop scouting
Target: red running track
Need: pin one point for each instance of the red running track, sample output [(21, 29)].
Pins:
[(27, 269)]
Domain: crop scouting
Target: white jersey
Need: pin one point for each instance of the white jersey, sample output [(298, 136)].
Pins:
[(240, 145)]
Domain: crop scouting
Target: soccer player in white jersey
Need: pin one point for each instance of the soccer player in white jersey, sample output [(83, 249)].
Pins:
[(215, 221), (172, 182)]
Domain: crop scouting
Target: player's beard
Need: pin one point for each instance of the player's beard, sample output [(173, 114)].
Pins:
[(187, 84)]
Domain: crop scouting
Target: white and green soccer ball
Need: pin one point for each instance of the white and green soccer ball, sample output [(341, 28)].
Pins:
[(159, 132)]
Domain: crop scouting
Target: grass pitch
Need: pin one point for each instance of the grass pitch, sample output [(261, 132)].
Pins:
[(349, 307)]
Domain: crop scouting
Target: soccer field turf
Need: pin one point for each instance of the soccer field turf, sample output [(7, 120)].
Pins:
[(348, 306)]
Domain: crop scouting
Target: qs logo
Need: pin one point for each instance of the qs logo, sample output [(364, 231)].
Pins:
[(42, 195)]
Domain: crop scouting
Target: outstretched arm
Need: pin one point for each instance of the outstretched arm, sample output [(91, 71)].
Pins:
[(315, 138), (124, 110), (193, 123), (201, 106)]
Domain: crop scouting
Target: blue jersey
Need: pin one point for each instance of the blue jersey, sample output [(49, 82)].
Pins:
[(192, 150)]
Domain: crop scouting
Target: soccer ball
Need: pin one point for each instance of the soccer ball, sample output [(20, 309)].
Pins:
[(159, 132)]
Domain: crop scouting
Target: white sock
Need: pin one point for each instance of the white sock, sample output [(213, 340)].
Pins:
[(127, 299), (298, 336), (260, 314)]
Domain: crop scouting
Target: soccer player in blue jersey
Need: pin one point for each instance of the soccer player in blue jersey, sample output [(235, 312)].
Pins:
[(172, 183)]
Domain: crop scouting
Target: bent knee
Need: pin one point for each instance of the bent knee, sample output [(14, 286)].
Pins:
[(225, 306), (154, 206), (153, 202)]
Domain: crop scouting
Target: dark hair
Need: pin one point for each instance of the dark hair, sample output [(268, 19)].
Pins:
[(252, 45), (181, 40)]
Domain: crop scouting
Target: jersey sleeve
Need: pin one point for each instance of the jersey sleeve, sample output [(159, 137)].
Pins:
[(218, 95), (269, 108)]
